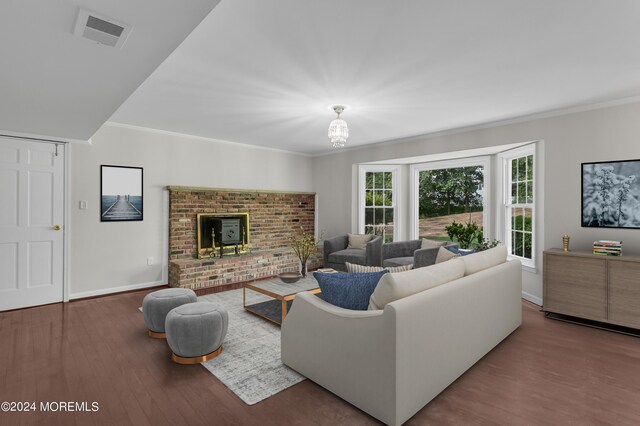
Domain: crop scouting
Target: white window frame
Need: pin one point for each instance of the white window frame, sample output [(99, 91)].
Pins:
[(504, 220), (415, 169), (363, 169)]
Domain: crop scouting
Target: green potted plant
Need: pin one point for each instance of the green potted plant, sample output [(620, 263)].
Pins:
[(469, 237), (304, 245)]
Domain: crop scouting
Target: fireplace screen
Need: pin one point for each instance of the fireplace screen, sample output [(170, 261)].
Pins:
[(222, 234)]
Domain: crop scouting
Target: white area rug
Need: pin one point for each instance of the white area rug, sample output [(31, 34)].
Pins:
[(250, 363)]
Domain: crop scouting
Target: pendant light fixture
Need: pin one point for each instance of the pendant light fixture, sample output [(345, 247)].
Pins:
[(338, 130)]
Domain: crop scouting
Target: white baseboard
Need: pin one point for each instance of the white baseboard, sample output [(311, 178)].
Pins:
[(531, 298), (113, 290)]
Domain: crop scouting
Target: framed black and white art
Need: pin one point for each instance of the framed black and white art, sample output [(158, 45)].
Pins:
[(611, 194), (121, 197)]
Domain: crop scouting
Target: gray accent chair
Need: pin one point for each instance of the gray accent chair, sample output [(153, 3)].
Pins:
[(336, 253), (402, 253)]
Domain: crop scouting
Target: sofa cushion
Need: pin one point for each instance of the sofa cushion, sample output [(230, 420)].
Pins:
[(348, 255), (359, 241), (445, 254), (349, 291), (395, 286), (352, 267), (427, 243), (482, 260), (398, 261)]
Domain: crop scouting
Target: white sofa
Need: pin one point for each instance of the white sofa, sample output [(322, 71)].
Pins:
[(391, 362)]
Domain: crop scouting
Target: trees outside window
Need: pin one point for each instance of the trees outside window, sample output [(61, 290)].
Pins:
[(450, 192)]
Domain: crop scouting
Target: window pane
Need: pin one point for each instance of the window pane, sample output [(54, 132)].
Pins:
[(530, 167), (378, 180), (522, 168), (387, 180), (522, 192), (527, 246), (528, 214), (378, 216), (447, 195), (516, 219), (368, 198), (388, 198), (514, 169), (368, 216), (388, 217), (518, 244), (368, 181), (513, 242), (514, 193), (388, 234), (529, 198)]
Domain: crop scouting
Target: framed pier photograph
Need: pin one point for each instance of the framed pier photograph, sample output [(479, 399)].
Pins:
[(121, 196)]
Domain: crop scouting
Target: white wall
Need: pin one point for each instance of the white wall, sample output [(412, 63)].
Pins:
[(112, 256), (611, 133)]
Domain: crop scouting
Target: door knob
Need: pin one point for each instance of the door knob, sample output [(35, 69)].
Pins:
[(57, 227)]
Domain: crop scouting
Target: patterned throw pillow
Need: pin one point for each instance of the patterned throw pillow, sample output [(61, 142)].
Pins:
[(358, 241), (353, 267), (349, 291), (445, 254)]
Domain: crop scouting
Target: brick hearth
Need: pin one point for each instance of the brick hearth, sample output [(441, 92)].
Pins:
[(273, 216)]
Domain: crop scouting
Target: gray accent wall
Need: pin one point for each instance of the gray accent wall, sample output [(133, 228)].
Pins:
[(609, 133)]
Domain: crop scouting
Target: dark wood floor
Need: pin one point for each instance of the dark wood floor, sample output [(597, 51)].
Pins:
[(547, 372)]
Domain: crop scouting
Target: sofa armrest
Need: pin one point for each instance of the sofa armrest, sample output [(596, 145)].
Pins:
[(399, 249), (427, 256), (374, 251), (313, 302), (334, 244), (351, 353)]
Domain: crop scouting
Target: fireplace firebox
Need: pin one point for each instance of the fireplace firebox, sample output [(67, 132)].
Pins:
[(222, 234)]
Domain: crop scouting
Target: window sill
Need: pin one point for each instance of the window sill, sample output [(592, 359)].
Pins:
[(527, 265)]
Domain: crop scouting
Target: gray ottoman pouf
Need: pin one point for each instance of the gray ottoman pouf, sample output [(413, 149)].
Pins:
[(157, 305), (195, 332)]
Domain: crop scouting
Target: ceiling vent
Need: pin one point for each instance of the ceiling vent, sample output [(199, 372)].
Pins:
[(101, 29)]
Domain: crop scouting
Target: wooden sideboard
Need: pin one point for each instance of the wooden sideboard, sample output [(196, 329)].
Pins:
[(594, 287)]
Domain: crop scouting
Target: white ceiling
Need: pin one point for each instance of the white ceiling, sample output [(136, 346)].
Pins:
[(56, 85), (264, 72)]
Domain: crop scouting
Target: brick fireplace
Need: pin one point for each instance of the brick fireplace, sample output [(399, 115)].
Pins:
[(273, 216)]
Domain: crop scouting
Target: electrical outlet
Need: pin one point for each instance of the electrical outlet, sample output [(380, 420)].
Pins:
[(150, 261)]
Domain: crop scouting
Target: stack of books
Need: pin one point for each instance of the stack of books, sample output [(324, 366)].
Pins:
[(607, 247)]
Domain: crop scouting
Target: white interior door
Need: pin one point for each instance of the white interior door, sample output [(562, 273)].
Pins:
[(31, 219)]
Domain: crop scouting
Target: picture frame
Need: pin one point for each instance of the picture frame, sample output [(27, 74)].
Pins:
[(611, 194), (121, 193)]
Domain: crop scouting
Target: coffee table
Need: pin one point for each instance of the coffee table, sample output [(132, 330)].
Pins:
[(281, 294)]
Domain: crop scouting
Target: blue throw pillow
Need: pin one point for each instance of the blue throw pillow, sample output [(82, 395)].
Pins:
[(454, 249), (349, 291)]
